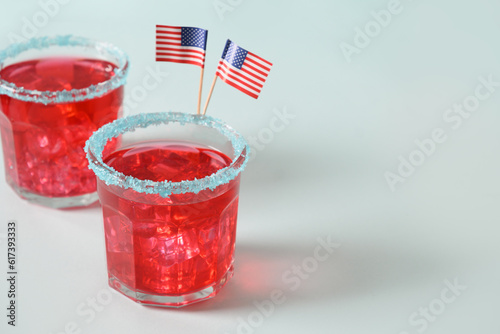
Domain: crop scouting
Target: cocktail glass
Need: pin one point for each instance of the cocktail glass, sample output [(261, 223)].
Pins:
[(169, 196), (54, 93)]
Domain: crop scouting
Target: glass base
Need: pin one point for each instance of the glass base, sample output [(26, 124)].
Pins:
[(172, 301), (57, 202)]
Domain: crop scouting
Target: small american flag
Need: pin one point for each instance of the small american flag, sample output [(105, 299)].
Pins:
[(181, 44), (243, 70)]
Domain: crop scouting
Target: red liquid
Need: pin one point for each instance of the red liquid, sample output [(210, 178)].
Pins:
[(43, 144), (169, 246)]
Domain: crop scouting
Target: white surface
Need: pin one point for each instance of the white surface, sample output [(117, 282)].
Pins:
[(323, 174)]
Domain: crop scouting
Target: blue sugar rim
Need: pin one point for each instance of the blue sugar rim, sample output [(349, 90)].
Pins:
[(64, 96), (96, 143)]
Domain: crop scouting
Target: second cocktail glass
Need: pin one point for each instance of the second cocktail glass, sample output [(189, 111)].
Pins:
[(54, 93)]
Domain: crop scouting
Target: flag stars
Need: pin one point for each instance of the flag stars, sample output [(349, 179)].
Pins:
[(235, 55), (194, 37)]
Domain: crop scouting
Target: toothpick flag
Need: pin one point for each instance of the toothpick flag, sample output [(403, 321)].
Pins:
[(243, 70), (181, 44)]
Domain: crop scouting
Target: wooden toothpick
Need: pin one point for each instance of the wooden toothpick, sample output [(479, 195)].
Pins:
[(209, 95), (199, 92)]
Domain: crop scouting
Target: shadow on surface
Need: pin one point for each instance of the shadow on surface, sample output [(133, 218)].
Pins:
[(351, 271)]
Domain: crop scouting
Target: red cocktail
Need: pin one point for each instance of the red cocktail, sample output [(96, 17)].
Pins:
[(170, 206), (54, 93)]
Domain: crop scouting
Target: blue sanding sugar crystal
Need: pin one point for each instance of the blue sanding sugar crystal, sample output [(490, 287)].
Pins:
[(96, 143)]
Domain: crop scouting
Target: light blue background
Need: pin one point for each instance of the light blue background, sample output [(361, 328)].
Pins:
[(321, 175)]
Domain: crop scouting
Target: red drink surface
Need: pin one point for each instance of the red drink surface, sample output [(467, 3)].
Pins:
[(43, 144), (171, 246)]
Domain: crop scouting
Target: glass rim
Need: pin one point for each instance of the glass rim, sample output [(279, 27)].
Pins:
[(96, 143), (64, 96)]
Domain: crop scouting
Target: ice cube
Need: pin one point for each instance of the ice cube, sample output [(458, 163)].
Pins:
[(118, 230)]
